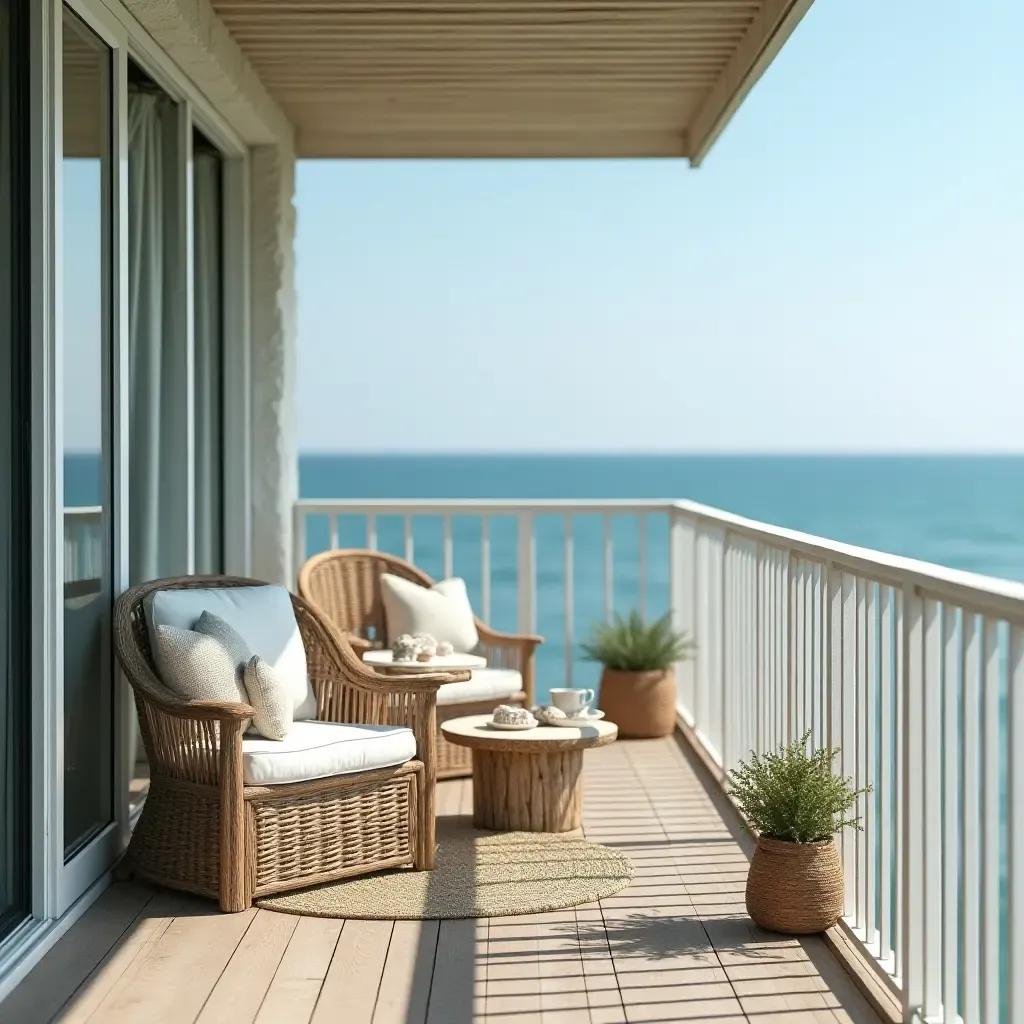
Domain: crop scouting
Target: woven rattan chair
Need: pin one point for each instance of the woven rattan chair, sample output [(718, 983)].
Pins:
[(204, 830), (345, 586)]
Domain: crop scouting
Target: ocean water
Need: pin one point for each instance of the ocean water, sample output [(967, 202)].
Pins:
[(964, 512)]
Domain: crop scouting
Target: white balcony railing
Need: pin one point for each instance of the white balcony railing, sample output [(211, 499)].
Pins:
[(83, 549), (915, 670)]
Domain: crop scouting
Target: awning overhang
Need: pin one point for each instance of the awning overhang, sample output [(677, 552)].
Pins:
[(509, 78)]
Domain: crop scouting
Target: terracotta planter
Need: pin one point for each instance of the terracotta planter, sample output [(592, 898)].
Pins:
[(641, 704), (796, 888)]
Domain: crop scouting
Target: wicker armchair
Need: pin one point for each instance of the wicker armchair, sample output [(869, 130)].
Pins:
[(206, 831), (345, 587)]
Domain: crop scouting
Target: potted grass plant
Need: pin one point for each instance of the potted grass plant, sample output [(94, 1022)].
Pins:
[(638, 687), (797, 806)]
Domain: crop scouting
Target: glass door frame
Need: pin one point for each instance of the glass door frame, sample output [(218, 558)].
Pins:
[(58, 888), (64, 883)]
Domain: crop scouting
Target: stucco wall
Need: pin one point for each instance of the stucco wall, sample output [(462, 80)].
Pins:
[(199, 44), (273, 360)]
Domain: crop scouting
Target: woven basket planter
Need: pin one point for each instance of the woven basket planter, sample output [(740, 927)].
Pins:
[(796, 888), (641, 704)]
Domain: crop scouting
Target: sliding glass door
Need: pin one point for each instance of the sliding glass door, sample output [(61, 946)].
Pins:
[(88, 247), (15, 528)]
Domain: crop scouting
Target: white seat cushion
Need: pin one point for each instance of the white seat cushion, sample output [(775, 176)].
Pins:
[(316, 750), (262, 615), (442, 610), (486, 684)]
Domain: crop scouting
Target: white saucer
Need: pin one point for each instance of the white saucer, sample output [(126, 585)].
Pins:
[(513, 726), (576, 723)]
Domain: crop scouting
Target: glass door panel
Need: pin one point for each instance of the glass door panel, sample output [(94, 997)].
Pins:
[(87, 253), (15, 528)]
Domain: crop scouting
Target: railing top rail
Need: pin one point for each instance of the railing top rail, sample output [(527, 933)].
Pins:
[(988, 594), (469, 506), (983, 593)]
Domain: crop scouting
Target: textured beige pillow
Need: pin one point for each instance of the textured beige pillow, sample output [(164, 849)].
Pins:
[(270, 699), (442, 610), (197, 667)]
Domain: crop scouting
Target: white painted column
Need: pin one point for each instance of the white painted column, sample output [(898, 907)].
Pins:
[(274, 450)]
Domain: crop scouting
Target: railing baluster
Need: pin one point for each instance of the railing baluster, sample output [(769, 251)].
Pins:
[(569, 588), (950, 814), (1015, 824), (849, 712), (449, 553), (912, 868), (333, 528), (485, 566), (609, 595), (641, 574), (899, 789), (527, 574), (932, 784), (871, 800), (969, 794), (886, 776), (371, 532), (990, 748), (860, 837), (409, 544)]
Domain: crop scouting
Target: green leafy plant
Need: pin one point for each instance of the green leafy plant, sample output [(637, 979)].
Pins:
[(632, 645), (792, 794)]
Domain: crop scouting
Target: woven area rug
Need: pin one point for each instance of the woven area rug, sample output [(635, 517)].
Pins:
[(478, 874)]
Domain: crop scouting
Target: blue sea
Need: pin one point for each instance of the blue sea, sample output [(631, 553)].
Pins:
[(964, 512)]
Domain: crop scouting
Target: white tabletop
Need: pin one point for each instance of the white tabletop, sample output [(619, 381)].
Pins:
[(439, 663), (474, 731)]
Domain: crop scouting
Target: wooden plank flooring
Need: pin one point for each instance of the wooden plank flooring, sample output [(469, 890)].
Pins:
[(675, 946)]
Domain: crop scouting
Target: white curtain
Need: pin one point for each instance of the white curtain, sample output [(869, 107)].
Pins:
[(157, 409), (206, 184), (156, 388)]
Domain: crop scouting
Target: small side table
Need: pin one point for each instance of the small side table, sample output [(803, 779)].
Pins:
[(384, 661), (528, 781)]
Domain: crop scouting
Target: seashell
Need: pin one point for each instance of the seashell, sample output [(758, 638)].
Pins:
[(404, 648), (509, 714), (444, 649), (549, 713)]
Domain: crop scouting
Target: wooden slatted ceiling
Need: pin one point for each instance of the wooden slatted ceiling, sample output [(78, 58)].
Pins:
[(508, 78)]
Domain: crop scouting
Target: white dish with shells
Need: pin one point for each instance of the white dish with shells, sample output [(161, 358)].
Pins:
[(512, 718), (558, 718)]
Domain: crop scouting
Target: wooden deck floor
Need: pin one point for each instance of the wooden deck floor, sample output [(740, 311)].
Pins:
[(675, 946)]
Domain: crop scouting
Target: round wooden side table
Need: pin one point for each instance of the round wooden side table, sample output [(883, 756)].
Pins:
[(528, 781)]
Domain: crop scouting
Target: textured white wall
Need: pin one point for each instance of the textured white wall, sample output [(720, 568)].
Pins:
[(200, 45), (274, 448)]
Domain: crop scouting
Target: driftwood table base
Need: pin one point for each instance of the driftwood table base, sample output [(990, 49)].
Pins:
[(515, 792), (530, 781)]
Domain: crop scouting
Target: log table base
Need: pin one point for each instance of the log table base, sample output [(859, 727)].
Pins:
[(515, 792), (529, 781)]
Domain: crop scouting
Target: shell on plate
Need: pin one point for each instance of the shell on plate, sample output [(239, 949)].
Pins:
[(548, 714), (510, 714)]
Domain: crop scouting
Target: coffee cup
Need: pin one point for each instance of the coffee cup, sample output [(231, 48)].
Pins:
[(573, 702)]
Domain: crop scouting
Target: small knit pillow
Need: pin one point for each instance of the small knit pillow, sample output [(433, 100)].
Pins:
[(197, 667), (227, 636), (270, 699)]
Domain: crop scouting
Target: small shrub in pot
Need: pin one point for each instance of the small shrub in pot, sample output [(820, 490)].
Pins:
[(638, 688), (796, 805)]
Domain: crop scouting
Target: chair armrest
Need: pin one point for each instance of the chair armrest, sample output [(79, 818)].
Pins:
[(495, 638)]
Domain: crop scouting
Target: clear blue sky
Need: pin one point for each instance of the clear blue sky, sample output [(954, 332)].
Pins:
[(845, 272)]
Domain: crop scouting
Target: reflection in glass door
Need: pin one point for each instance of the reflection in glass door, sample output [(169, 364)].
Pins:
[(15, 540), (208, 247), (87, 406)]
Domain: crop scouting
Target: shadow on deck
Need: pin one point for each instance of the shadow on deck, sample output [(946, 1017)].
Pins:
[(676, 945)]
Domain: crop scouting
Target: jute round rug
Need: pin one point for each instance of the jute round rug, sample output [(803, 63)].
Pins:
[(478, 874)]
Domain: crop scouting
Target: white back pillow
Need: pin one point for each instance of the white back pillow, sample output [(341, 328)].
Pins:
[(442, 610), (262, 615)]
